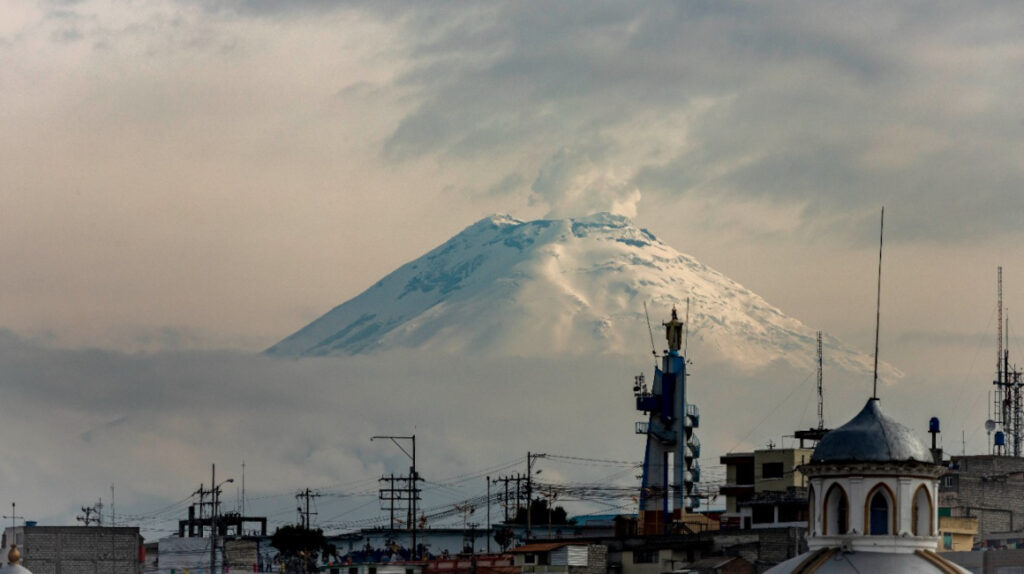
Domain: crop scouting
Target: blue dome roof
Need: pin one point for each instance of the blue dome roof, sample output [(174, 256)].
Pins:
[(871, 437)]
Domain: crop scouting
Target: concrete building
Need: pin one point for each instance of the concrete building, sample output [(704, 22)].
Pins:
[(765, 488), (990, 562), (957, 534), (561, 557), (656, 555), (77, 549), (987, 487)]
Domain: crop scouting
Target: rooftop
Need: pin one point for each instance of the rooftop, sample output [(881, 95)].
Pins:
[(871, 436)]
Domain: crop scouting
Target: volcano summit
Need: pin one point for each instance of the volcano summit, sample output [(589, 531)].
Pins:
[(559, 287)]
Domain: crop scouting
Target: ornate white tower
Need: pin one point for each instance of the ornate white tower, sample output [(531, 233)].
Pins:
[(872, 499)]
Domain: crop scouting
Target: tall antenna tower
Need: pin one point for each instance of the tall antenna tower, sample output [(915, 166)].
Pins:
[(1007, 403), (821, 397), (816, 434), (999, 335), (878, 303)]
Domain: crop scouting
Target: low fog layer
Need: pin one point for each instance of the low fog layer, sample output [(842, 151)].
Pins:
[(151, 424)]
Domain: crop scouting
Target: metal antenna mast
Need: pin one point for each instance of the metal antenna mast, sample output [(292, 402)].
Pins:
[(686, 328), (649, 330), (821, 398), (999, 335), (878, 302)]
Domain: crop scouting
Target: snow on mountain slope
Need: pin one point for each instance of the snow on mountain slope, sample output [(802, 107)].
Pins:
[(575, 286)]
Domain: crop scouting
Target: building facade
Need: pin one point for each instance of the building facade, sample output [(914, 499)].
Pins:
[(77, 549), (765, 488), (987, 487)]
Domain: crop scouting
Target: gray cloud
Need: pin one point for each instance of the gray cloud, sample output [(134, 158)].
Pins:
[(832, 107)]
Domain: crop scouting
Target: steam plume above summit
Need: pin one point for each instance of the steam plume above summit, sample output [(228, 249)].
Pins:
[(572, 183)]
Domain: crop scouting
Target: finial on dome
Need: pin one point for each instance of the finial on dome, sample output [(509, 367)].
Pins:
[(14, 555)]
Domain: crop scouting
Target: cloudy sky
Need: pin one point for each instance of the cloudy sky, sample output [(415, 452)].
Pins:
[(186, 182)]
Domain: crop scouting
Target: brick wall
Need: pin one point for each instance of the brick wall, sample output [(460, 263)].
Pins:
[(988, 487), (597, 561), (779, 545), (80, 550)]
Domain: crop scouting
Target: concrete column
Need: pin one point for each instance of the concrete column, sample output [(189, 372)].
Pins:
[(905, 501), (855, 490)]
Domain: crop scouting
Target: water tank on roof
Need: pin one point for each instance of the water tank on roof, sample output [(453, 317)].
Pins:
[(933, 424), (1000, 438)]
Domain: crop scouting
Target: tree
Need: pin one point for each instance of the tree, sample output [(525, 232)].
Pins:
[(504, 537), (539, 514), (301, 548)]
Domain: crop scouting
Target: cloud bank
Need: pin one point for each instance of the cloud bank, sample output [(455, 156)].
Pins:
[(151, 424)]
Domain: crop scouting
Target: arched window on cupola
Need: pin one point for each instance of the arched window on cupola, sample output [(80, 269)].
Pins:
[(837, 511), (880, 515), (922, 517), (810, 507)]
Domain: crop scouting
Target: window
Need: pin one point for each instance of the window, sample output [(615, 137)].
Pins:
[(922, 516), (745, 474), (879, 511), (530, 558), (950, 483), (771, 470), (837, 511), (811, 510), (645, 556), (763, 514)]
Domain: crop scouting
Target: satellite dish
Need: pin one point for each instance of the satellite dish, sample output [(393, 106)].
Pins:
[(990, 425)]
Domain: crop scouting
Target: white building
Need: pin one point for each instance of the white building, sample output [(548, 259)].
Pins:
[(872, 501)]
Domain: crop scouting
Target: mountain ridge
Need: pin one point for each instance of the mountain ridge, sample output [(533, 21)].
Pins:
[(558, 286)]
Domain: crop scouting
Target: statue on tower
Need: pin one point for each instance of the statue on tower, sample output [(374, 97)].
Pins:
[(674, 331)]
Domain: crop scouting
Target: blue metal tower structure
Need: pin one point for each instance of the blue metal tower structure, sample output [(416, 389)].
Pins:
[(671, 470)]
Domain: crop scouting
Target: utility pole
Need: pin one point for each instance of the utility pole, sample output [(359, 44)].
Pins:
[(488, 479), (412, 483), (529, 491), (213, 516), (390, 491), (307, 494), (505, 480), (213, 521), (91, 514)]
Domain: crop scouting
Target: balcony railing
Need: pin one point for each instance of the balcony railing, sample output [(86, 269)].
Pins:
[(692, 416), (693, 445)]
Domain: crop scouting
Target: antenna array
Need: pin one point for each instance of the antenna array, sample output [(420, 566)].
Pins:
[(1007, 403)]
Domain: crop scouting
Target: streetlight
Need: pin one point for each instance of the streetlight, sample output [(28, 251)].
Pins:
[(413, 477), (213, 516)]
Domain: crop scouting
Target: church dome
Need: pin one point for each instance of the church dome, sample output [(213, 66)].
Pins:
[(834, 560), (871, 436)]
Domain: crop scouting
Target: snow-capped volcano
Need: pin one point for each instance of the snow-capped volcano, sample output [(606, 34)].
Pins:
[(574, 286)]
